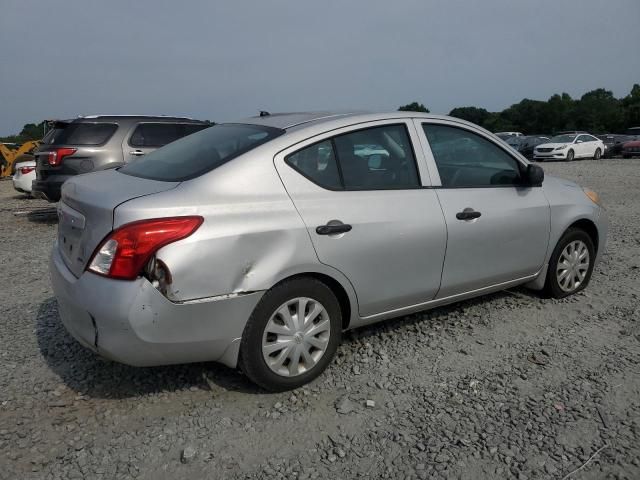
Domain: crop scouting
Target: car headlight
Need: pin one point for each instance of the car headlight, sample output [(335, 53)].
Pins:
[(562, 147), (593, 196)]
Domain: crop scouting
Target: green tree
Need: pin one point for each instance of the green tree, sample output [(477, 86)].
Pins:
[(598, 111), (413, 107), (476, 115), (31, 131), (631, 106)]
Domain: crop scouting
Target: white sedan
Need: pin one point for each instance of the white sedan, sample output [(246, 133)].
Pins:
[(570, 146), (25, 174)]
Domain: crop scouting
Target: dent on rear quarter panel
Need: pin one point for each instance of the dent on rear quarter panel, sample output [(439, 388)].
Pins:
[(252, 236)]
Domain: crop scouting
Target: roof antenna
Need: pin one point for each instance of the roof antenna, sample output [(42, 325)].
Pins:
[(264, 113)]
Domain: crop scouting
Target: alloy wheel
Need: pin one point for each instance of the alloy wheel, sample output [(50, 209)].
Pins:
[(296, 337), (573, 266)]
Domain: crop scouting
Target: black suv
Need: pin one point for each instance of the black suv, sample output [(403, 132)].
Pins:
[(98, 142)]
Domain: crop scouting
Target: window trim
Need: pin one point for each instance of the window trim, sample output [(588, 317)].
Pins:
[(332, 138), (139, 124), (432, 164)]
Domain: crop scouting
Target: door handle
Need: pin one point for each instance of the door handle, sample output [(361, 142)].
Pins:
[(333, 229), (136, 153), (467, 214)]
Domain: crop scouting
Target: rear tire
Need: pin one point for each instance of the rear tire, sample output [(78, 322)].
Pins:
[(570, 268), (277, 352), (570, 156), (597, 154)]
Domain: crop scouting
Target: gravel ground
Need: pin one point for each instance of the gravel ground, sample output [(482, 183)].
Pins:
[(506, 386)]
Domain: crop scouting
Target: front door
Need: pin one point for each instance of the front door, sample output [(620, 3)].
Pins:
[(498, 230), (359, 193)]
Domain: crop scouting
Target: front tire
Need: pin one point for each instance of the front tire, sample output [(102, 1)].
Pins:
[(570, 155), (571, 264), (597, 154), (292, 335)]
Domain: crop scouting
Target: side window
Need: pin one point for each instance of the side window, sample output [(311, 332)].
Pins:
[(379, 158), (584, 138), (465, 159), (159, 134), (318, 164)]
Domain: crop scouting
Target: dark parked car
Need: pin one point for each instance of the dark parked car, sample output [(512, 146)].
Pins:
[(100, 142), (528, 143), (613, 144), (525, 144)]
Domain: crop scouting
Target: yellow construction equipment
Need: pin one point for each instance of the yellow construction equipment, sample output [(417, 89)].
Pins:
[(10, 155)]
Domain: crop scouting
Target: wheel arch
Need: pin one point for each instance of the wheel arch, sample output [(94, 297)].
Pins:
[(590, 228), (345, 295)]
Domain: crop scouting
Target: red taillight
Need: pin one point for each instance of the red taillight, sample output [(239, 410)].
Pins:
[(25, 170), (55, 157), (125, 251)]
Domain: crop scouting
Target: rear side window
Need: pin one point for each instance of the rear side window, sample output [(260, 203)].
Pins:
[(318, 164), (81, 133), (379, 158), (196, 154), (159, 134)]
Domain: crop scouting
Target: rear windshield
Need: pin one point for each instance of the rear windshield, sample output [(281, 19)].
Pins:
[(80, 133), (200, 152)]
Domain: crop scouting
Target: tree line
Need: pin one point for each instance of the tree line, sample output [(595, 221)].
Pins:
[(597, 111)]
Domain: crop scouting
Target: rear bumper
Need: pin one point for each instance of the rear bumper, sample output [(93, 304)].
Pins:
[(22, 183), (49, 189), (131, 322)]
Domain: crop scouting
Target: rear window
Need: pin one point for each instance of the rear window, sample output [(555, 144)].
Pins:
[(160, 134), (80, 133), (192, 156)]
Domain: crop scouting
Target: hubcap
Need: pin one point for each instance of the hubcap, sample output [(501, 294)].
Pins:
[(573, 265), (296, 337)]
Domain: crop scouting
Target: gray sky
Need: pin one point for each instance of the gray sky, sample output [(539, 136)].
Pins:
[(224, 60)]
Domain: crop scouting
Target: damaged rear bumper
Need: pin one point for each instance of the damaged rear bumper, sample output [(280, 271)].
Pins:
[(131, 322)]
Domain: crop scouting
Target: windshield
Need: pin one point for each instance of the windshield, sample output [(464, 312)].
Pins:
[(503, 136), (563, 139), (200, 152)]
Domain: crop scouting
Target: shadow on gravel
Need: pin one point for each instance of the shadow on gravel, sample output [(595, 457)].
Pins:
[(440, 314), (48, 218), (87, 373)]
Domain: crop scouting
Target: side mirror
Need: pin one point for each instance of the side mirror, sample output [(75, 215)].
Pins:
[(578, 141), (534, 176)]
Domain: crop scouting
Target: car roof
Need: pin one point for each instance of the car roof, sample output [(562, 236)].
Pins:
[(161, 118), (299, 120)]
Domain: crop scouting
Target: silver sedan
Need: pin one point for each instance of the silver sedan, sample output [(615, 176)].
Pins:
[(256, 244)]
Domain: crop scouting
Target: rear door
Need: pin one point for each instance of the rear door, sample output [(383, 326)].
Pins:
[(359, 192), (146, 137), (498, 230)]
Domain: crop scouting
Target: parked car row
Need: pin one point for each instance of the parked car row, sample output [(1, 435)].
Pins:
[(572, 145)]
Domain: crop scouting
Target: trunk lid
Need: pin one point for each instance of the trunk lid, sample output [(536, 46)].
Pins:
[(86, 208)]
